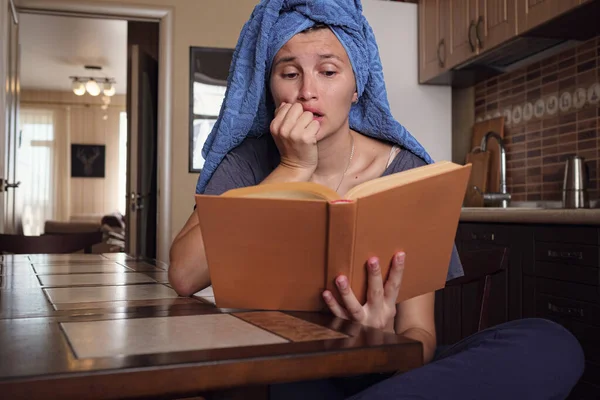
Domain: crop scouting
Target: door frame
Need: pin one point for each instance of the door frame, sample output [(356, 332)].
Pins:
[(7, 18), (165, 17)]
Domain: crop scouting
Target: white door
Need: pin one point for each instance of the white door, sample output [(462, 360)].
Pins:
[(9, 116)]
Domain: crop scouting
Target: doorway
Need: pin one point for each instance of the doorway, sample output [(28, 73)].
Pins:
[(69, 156), (141, 205)]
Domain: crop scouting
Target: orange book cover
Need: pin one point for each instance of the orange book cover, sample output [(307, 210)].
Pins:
[(278, 246)]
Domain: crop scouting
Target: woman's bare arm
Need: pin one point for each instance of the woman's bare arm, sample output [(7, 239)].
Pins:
[(188, 270), (415, 319)]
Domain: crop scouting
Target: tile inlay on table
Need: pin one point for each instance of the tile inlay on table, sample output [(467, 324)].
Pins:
[(94, 279), (16, 269), (19, 281), (23, 302), (79, 269), (72, 257), (122, 304), (207, 295), (295, 329), (117, 256), (14, 258), (159, 276), (163, 334), (109, 293)]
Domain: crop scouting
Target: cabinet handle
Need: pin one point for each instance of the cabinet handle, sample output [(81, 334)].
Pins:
[(472, 27), (478, 32), (578, 312), (566, 255), (483, 236), (441, 62)]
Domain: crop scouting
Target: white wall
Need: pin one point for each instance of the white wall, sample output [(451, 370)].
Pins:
[(425, 110)]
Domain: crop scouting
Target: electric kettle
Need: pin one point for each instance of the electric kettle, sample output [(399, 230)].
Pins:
[(575, 183)]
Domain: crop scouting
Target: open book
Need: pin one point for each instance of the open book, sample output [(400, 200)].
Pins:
[(278, 246)]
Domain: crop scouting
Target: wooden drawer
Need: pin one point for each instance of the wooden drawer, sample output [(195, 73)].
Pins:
[(578, 254), (568, 290), (567, 234), (549, 306), (485, 233), (565, 272)]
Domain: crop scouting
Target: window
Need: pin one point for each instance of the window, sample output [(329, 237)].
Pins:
[(35, 170), (209, 70)]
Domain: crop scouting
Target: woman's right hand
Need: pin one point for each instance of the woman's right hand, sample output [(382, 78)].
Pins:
[(295, 134)]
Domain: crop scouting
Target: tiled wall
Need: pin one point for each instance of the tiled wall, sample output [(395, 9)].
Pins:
[(551, 111)]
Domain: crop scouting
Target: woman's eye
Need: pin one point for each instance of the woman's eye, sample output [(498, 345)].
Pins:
[(291, 75), (330, 73)]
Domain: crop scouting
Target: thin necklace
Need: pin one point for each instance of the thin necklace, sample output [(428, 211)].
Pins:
[(348, 165)]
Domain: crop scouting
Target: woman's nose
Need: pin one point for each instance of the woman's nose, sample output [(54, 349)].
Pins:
[(308, 90)]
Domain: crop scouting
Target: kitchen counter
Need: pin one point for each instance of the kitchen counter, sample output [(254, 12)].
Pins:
[(532, 214)]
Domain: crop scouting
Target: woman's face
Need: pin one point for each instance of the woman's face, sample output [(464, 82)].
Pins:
[(313, 69)]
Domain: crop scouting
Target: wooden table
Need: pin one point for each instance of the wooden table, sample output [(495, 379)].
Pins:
[(108, 326)]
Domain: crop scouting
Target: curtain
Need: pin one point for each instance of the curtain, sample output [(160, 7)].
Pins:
[(42, 168)]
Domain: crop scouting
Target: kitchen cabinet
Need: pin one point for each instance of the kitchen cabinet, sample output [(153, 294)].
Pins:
[(563, 284), (497, 22), (457, 311), (553, 272), (433, 38), (462, 33), (453, 32), (531, 13)]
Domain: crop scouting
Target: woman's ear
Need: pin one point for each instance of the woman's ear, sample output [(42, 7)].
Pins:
[(355, 98)]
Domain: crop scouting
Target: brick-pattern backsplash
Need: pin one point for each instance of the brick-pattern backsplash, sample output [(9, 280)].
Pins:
[(551, 111)]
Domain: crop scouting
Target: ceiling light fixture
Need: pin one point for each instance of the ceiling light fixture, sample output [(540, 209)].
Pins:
[(78, 87), (109, 89), (93, 85)]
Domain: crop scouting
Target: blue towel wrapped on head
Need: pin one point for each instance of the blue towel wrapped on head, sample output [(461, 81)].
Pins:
[(247, 109)]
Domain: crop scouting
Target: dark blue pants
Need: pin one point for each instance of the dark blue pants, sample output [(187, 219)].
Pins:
[(522, 359)]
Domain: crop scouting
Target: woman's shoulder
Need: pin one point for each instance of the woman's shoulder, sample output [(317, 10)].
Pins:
[(403, 161), (245, 165), (262, 147)]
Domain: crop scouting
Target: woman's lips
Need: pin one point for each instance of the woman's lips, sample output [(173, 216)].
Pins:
[(317, 114)]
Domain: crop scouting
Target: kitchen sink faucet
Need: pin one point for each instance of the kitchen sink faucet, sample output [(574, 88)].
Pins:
[(502, 197)]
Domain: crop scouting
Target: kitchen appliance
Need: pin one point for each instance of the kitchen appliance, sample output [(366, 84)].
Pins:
[(575, 183)]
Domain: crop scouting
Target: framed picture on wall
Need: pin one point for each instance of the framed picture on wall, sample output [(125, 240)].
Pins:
[(209, 68), (88, 160)]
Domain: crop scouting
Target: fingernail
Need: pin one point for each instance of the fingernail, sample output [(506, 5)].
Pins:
[(342, 283), (400, 258), (373, 263), (326, 295)]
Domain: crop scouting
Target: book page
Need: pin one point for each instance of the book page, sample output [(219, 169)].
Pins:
[(400, 178), (285, 194), (286, 190)]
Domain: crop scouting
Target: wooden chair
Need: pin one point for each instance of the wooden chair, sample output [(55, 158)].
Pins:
[(49, 244), (481, 266)]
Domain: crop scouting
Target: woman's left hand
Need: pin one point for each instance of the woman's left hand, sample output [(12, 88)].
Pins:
[(380, 308)]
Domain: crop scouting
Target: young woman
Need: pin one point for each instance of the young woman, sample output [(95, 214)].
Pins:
[(306, 102)]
